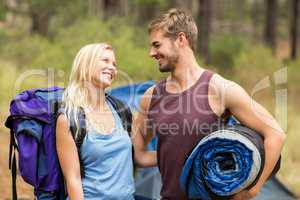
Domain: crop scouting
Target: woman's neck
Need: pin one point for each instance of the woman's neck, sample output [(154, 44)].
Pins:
[(96, 98)]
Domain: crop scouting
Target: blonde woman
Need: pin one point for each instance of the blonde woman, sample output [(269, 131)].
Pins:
[(106, 151)]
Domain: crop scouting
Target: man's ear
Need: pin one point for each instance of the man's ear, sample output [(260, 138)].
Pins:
[(182, 40)]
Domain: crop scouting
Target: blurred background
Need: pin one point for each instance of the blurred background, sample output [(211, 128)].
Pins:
[(247, 41)]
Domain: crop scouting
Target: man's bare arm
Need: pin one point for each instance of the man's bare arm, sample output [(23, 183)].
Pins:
[(142, 134), (254, 116)]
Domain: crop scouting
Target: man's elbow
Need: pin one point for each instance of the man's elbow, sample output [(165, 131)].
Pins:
[(279, 138), (282, 138)]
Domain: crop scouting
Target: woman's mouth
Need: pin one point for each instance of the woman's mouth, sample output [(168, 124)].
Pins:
[(108, 74)]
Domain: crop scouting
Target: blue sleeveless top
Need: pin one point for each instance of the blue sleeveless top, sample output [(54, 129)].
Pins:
[(108, 164)]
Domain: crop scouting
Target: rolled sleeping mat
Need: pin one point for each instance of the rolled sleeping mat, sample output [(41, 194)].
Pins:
[(223, 163)]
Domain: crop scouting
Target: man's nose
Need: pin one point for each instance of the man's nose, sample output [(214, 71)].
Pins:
[(152, 52)]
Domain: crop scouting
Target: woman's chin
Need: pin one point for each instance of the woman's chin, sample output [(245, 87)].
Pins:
[(103, 83), (106, 83)]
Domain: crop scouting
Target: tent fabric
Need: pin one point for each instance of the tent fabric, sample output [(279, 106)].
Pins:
[(274, 189), (131, 94)]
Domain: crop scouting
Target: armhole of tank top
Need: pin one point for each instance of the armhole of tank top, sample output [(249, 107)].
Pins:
[(207, 104), (154, 92), (158, 86)]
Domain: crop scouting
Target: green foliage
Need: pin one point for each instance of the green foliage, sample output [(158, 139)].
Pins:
[(49, 6), (3, 10), (34, 51), (160, 3), (3, 37), (224, 49), (255, 63), (75, 10), (293, 80), (24, 51), (132, 57), (8, 75)]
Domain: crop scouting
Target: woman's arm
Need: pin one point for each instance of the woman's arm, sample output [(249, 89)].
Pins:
[(68, 158)]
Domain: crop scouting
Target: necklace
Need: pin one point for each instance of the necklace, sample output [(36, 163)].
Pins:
[(100, 123)]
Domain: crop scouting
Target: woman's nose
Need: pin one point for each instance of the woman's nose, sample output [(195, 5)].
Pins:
[(112, 68)]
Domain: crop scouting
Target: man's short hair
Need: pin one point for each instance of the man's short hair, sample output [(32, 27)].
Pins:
[(174, 22)]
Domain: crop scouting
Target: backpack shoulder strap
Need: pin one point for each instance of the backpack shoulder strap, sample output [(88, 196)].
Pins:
[(126, 117), (123, 111), (13, 165), (81, 134)]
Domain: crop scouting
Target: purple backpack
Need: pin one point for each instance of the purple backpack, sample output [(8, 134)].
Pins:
[(32, 124)]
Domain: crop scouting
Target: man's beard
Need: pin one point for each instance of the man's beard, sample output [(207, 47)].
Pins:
[(170, 65)]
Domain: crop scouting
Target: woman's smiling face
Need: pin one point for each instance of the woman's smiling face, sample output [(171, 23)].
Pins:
[(104, 69)]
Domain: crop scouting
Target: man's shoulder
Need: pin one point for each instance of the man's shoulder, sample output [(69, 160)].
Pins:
[(219, 82), (156, 86), (149, 91), (230, 91), (224, 88), (146, 98)]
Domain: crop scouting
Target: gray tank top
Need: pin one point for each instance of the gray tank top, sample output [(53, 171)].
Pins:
[(180, 121)]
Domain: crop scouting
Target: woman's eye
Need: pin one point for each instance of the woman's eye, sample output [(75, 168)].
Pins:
[(105, 60)]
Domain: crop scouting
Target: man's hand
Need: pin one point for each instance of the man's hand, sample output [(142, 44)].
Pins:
[(246, 194), (243, 195)]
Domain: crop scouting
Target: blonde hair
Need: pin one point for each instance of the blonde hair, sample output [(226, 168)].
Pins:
[(76, 95), (174, 22)]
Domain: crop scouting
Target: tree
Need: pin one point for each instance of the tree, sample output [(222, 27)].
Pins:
[(204, 27), (271, 22), (3, 10), (146, 10), (255, 16), (108, 8), (294, 28), (188, 5), (40, 12)]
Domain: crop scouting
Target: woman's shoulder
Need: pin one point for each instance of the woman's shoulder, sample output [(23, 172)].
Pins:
[(62, 123)]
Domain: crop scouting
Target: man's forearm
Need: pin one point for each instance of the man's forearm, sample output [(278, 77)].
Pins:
[(144, 158), (273, 145)]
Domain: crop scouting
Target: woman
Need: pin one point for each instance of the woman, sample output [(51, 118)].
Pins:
[(106, 151)]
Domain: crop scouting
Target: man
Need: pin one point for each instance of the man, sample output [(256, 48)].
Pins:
[(185, 107)]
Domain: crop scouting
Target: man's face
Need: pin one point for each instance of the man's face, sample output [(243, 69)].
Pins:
[(164, 50)]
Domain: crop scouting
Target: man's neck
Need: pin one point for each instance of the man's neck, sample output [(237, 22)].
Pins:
[(186, 73)]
